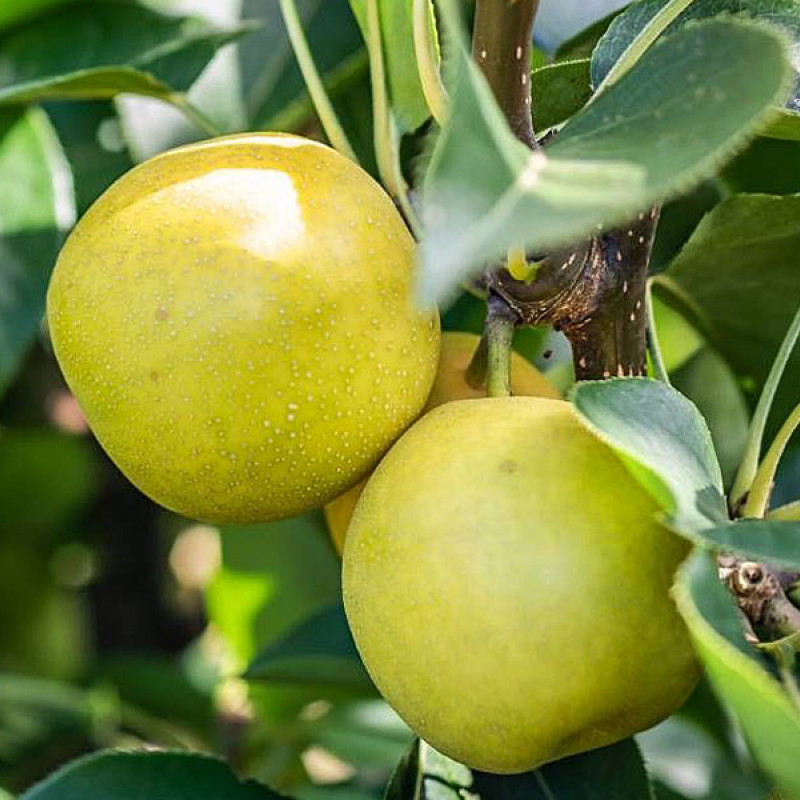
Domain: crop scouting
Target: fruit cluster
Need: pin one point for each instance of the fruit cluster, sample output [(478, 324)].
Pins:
[(237, 321)]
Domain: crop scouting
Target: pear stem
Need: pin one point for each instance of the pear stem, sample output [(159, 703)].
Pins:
[(500, 324)]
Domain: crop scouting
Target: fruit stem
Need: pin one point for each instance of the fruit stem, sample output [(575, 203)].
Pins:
[(501, 322), (319, 96), (426, 50), (501, 45)]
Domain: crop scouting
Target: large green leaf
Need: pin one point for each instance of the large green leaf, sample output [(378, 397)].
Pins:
[(737, 281), (784, 14), (767, 715), (100, 50), (663, 440), (36, 208), (117, 775), (320, 649), (665, 443), (668, 123)]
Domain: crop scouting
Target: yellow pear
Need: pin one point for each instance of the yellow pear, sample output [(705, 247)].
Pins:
[(450, 384), (236, 319), (507, 585)]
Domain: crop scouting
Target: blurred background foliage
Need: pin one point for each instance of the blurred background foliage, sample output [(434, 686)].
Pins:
[(122, 623)]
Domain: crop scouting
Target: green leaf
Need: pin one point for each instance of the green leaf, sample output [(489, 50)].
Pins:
[(736, 279), (272, 577), (679, 341), (99, 50), (273, 88), (320, 649), (426, 774), (180, 690), (666, 124), (559, 90), (403, 783), (662, 438), (367, 733), (685, 86), (608, 773), (616, 772), (13, 11), (682, 752), (643, 40), (409, 107), (773, 541), (678, 219), (785, 126), (112, 775), (583, 43), (766, 166), (36, 209), (767, 716), (151, 126), (46, 479), (34, 712), (711, 385), (92, 140), (784, 14)]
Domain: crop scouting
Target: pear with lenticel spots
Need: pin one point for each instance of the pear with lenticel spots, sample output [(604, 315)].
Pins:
[(507, 584), (237, 320)]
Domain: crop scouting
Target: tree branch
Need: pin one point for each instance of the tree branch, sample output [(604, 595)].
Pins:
[(760, 593), (501, 44), (596, 294)]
